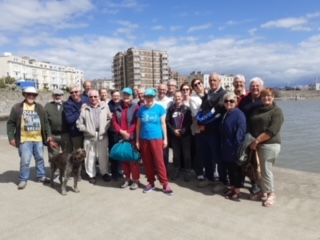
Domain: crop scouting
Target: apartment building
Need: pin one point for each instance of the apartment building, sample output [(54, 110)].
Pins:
[(45, 74), (140, 67), (102, 83), (226, 80)]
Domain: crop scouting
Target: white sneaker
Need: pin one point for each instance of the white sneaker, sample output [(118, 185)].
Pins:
[(22, 185)]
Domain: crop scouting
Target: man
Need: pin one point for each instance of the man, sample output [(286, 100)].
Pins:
[(94, 122), (72, 109), (239, 84), (28, 130), (141, 91), (161, 98), (165, 102), (208, 124), (58, 124), (87, 86), (172, 88)]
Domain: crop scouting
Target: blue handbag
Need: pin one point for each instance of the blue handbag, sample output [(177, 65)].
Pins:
[(124, 151)]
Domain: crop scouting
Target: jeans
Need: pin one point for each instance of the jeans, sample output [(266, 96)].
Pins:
[(26, 151)]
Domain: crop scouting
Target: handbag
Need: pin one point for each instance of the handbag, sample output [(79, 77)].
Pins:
[(124, 151)]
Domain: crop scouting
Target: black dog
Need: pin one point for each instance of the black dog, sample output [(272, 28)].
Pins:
[(67, 163)]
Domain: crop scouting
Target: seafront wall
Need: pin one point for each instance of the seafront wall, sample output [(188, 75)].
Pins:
[(8, 98)]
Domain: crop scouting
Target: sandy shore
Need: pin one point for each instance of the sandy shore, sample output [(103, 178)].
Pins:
[(104, 211)]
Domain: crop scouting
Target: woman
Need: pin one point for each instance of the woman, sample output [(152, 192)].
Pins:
[(179, 120), (115, 167), (232, 129), (195, 104), (186, 91), (124, 122), (264, 125), (151, 140)]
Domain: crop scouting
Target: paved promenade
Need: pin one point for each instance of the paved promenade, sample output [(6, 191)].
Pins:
[(104, 211)]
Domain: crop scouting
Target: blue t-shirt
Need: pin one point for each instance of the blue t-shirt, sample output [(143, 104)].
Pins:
[(151, 122)]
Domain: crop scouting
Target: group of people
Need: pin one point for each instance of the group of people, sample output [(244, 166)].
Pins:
[(204, 128)]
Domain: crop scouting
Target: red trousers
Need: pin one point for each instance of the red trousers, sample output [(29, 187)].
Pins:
[(152, 156), (131, 168)]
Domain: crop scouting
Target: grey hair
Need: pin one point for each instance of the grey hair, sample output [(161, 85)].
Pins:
[(75, 86), (172, 81), (93, 91), (239, 77), (256, 79), (230, 95), (215, 74)]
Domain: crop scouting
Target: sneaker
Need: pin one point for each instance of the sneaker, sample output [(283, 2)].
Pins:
[(22, 185), (92, 180), (219, 187), (43, 180), (205, 183), (167, 190), (125, 184), (134, 186), (106, 177), (149, 188), (200, 178)]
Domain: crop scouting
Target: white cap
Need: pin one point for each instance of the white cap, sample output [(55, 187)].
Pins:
[(30, 90)]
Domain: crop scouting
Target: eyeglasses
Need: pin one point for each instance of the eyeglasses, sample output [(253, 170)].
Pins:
[(74, 92), (196, 84), (185, 89), (57, 95), (93, 96), (229, 101)]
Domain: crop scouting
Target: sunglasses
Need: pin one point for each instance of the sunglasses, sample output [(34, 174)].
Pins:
[(185, 89), (196, 84), (74, 92), (31, 94), (229, 101), (93, 96)]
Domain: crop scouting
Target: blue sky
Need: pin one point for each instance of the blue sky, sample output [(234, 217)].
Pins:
[(278, 41)]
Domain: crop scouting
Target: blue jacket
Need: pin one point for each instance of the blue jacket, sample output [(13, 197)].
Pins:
[(232, 129), (72, 112)]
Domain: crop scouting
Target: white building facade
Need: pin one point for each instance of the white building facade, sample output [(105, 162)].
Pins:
[(45, 74)]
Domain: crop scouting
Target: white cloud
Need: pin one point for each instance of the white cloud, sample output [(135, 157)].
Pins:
[(157, 28), (16, 14), (175, 28), (131, 4), (252, 31), (289, 23), (3, 40), (199, 28)]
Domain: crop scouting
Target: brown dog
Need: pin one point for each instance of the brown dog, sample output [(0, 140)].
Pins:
[(67, 163)]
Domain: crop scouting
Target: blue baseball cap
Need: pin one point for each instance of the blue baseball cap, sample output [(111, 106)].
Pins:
[(127, 91), (150, 92)]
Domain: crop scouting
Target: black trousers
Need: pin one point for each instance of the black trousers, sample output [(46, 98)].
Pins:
[(235, 174), (181, 151)]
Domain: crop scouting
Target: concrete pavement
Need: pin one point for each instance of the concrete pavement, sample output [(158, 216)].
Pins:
[(104, 211)]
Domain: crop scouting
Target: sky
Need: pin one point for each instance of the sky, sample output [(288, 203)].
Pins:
[(278, 41)]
